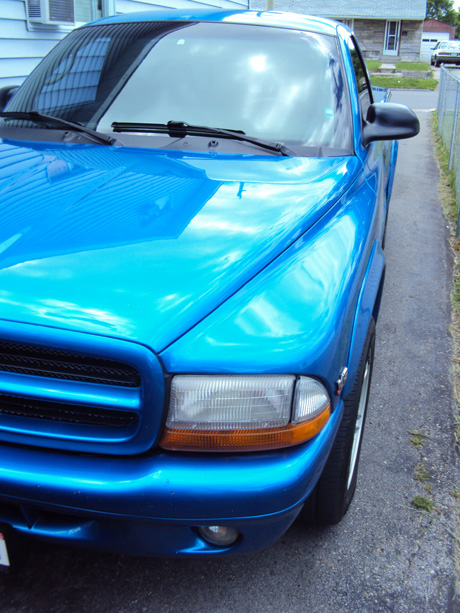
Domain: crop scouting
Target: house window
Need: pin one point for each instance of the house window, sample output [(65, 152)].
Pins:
[(392, 33)]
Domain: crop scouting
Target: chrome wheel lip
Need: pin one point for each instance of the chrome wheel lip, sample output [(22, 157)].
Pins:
[(359, 421)]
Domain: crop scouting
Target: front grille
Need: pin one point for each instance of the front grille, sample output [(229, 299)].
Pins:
[(78, 392), (41, 362), (64, 412)]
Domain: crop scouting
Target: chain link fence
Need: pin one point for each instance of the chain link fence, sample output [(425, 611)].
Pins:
[(449, 125)]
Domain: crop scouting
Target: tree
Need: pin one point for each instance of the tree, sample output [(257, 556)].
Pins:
[(442, 10)]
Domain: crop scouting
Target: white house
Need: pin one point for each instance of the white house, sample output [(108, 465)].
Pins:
[(30, 28)]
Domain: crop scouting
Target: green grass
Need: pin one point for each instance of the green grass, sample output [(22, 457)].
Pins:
[(421, 474), (412, 66), (447, 189), (418, 438), (395, 83), (373, 65), (422, 504)]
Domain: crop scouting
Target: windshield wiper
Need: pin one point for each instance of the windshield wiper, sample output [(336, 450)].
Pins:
[(180, 129), (72, 125)]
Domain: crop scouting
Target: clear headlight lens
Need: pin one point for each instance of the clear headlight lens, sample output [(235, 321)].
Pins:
[(243, 412), (229, 403)]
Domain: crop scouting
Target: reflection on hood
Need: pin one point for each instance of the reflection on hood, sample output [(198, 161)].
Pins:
[(142, 244)]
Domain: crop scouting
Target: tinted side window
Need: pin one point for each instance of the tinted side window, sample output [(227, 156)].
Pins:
[(75, 79), (364, 91)]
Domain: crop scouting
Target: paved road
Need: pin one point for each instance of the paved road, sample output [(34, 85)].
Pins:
[(385, 555)]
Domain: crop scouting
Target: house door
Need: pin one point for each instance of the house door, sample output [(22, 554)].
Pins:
[(392, 31)]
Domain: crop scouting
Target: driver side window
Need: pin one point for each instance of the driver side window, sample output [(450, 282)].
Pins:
[(362, 79)]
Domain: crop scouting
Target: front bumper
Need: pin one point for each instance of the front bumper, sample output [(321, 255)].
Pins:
[(153, 504)]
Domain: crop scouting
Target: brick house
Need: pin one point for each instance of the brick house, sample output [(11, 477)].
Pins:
[(390, 30)]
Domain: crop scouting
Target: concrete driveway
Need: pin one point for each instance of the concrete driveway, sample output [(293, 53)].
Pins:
[(420, 101), (386, 555)]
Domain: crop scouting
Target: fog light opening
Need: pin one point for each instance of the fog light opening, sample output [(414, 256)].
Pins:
[(222, 536)]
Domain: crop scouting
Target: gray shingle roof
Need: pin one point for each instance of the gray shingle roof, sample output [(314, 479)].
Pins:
[(367, 9)]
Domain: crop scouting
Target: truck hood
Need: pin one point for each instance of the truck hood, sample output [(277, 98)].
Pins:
[(142, 244)]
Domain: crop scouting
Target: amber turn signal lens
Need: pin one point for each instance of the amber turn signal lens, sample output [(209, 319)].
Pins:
[(243, 440)]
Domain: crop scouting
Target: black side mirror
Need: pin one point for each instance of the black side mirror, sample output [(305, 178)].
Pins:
[(6, 93), (388, 121)]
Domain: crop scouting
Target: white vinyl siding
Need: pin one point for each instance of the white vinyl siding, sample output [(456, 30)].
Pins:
[(20, 50)]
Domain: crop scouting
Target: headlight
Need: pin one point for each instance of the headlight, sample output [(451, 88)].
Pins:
[(243, 412)]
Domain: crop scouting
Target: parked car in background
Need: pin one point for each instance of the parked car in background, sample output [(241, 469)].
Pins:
[(191, 225), (446, 52)]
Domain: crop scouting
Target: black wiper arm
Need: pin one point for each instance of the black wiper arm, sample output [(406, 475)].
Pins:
[(72, 125), (180, 129)]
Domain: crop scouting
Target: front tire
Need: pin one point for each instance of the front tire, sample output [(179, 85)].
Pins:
[(334, 491)]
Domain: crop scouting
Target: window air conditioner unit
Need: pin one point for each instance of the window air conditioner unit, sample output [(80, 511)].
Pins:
[(54, 12)]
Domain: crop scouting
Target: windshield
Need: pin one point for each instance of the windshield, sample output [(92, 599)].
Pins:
[(450, 46), (278, 84)]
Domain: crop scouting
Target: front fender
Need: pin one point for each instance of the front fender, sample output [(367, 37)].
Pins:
[(298, 314), (367, 307)]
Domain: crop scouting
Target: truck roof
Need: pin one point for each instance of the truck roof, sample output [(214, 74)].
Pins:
[(262, 18)]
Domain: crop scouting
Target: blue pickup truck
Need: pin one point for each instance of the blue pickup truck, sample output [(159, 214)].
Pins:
[(192, 217)]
